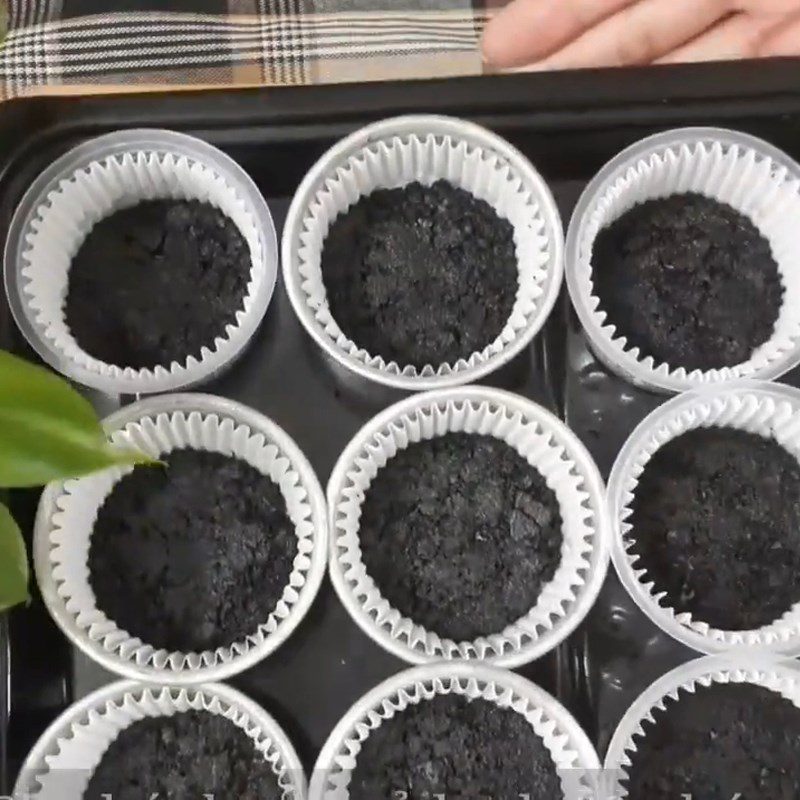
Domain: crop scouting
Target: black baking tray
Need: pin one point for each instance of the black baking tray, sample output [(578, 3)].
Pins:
[(569, 124)]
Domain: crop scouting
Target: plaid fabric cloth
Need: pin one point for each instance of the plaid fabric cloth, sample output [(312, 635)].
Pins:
[(78, 45)]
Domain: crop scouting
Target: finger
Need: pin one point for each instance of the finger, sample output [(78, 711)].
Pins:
[(768, 7), (639, 34), (528, 30), (735, 38), (782, 39)]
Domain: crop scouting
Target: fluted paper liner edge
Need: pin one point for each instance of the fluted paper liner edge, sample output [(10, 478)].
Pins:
[(74, 751), (753, 408), (572, 753), (392, 161), (776, 677), (69, 531), (61, 221), (546, 444), (737, 174)]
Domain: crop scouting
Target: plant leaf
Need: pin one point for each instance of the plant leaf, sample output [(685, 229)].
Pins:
[(48, 431), (13, 562)]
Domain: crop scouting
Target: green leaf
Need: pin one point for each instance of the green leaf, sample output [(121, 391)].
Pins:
[(13, 562), (48, 431)]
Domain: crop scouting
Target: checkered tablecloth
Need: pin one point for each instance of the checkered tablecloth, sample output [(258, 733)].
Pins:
[(74, 45)]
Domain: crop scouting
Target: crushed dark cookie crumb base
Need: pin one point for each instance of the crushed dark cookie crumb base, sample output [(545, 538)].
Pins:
[(456, 747), (724, 741), (187, 755), (422, 275), (156, 283), (193, 556), (460, 534), (689, 281), (716, 524)]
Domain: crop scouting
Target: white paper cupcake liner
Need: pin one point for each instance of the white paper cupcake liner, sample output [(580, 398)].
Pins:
[(755, 178), (394, 153), (779, 677), (549, 446), (67, 513), (62, 762), (572, 752), (771, 411), (91, 182)]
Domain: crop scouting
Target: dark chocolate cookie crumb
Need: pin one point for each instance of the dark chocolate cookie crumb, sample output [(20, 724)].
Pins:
[(192, 556), (716, 524), (458, 748), (190, 755), (461, 534), (421, 275), (689, 281), (726, 741), (157, 282)]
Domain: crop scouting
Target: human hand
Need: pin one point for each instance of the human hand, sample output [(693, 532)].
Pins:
[(565, 34)]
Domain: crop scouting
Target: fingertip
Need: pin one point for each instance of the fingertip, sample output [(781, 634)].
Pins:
[(494, 43), (514, 36)]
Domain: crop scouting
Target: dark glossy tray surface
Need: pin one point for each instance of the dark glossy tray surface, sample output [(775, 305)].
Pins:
[(569, 125)]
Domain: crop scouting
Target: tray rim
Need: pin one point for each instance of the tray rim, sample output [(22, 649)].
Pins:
[(626, 89), (32, 123)]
